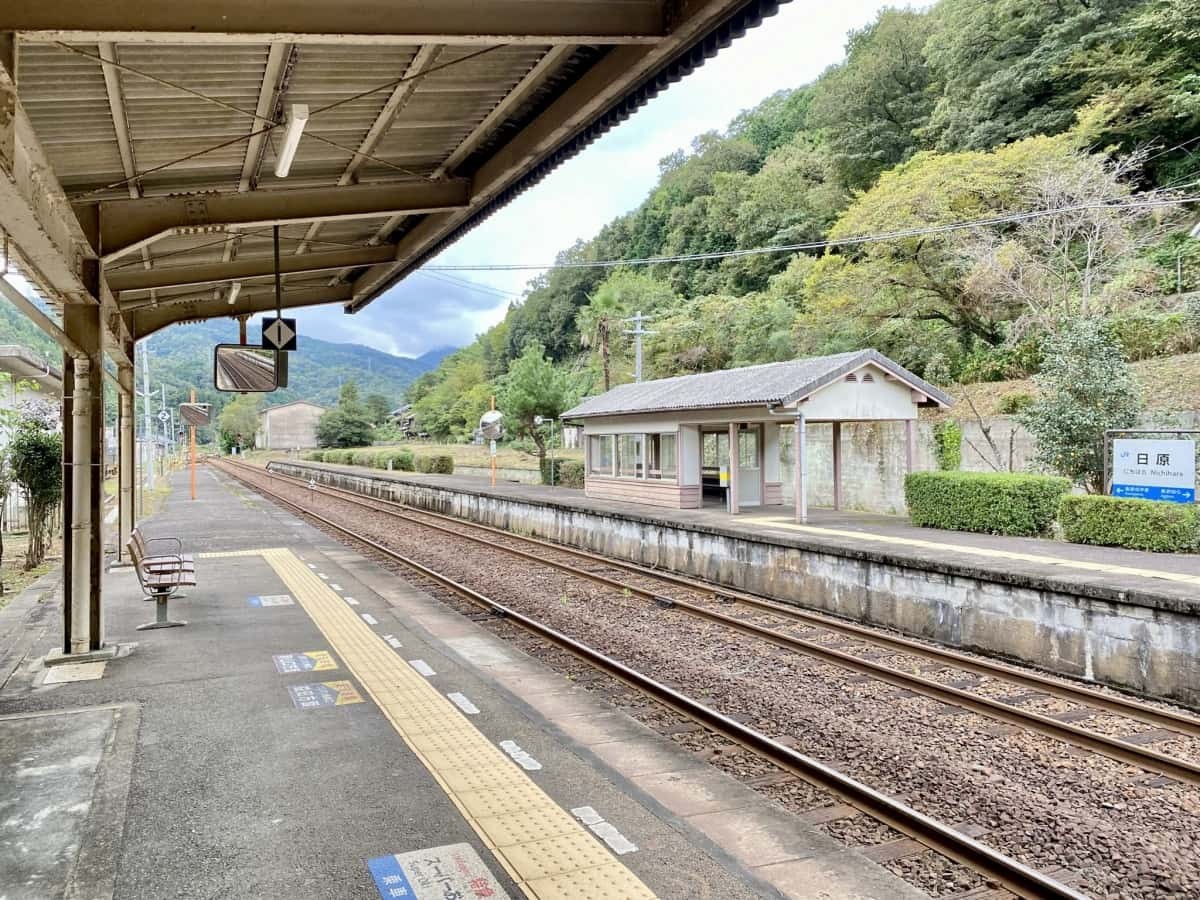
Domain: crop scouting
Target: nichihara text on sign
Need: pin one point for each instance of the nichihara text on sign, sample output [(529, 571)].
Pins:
[(1154, 469)]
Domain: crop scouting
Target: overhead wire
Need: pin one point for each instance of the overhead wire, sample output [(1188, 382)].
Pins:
[(854, 240), (470, 285)]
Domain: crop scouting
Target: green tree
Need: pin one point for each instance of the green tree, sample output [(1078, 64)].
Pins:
[(35, 456), (1085, 387), (600, 323), (873, 105), (1005, 69), (378, 408), (238, 422), (348, 424), (533, 387)]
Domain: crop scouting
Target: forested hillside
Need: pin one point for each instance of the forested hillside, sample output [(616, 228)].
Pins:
[(971, 110)]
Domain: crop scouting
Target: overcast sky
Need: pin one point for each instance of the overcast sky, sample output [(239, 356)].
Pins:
[(607, 179)]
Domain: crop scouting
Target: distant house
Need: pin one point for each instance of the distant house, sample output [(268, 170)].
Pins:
[(289, 426)]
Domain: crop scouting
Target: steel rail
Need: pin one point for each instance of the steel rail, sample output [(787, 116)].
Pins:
[(1163, 718), (1114, 748), (992, 864)]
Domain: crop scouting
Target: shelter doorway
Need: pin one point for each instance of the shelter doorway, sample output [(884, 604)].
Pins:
[(749, 461)]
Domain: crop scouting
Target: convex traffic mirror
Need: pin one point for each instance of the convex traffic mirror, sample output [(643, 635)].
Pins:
[(241, 369)]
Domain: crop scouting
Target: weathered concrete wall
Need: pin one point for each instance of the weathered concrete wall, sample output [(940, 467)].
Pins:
[(521, 476), (1153, 648)]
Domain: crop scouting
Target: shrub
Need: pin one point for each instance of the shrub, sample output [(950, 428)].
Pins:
[(947, 445), (564, 472), (1123, 522), (344, 457), (437, 464), (315, 456), (362, 457), (1011, 404), (570, 473), (994, 503), (401, 460)]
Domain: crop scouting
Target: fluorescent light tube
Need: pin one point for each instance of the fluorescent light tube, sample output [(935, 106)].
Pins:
[(291, 139)]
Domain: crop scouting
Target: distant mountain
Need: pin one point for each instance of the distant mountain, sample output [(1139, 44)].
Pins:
[(431, 359), (181, 358)]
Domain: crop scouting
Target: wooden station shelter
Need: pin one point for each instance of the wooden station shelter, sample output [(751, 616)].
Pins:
[(148, 150), (668, 442)]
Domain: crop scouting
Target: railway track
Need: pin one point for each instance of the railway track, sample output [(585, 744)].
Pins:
[(765, 621), (990, 863)]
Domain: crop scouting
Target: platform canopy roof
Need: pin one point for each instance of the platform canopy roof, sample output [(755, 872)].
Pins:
[(26, 365), (771, 384), (144, 135)]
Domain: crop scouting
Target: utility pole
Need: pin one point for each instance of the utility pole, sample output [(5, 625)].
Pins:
[(638, 333), (147, 474)]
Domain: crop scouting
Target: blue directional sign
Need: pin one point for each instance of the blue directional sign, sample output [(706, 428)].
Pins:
[(390, 879)]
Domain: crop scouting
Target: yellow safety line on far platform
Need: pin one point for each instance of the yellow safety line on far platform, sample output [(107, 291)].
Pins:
[(548, 853), (1086, 565)]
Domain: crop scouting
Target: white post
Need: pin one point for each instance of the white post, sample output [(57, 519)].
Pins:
[(837, 465), (733, 468), (801, 466), (81, 506)]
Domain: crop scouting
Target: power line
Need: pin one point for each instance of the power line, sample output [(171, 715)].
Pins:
[(826, 244), (468, 284)]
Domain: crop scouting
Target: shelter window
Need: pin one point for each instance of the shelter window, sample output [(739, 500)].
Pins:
[(601, 456), (630, 463), (748, 449), (660, 456)]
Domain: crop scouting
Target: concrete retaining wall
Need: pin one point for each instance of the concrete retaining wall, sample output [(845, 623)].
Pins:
[(1150, 647)]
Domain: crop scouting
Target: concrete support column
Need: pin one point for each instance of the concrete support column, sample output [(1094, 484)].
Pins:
[(801, 462), (83, 477), (837, 465), (126, 442), (733, 468), (910, 444)]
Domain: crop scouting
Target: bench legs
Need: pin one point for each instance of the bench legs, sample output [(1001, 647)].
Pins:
[(160, 616)]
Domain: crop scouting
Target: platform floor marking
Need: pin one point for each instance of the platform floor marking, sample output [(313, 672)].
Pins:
[(1087, 565), (548, 853)]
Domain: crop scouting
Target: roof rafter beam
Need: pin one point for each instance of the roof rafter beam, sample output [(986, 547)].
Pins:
[(149, 318), (422, 60), (127, 225), (348, 21), (245, 268)]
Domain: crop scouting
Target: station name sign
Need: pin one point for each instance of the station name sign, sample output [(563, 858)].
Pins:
[(1154, 470)]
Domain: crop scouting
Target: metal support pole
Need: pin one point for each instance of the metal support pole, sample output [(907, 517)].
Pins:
[(837, 465), (192, 447), (125, 463), (80, 478), (801, 464)]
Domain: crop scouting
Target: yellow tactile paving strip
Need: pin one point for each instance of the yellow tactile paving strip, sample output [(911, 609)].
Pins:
[(549, 854), (1085, 565)]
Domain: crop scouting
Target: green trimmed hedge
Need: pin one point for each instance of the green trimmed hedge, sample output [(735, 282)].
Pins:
[(1123, 522), (401, 460), (363, 457), (343, 457), (567, 472), (993, 503), (437, 464), (315, 456)]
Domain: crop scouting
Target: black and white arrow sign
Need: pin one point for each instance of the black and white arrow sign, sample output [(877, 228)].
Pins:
[(279, 334)]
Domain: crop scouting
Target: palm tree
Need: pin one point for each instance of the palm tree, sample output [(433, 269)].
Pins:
[(596, 322)]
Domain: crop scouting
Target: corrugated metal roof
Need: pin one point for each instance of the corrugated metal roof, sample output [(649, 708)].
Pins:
[(764, 385)]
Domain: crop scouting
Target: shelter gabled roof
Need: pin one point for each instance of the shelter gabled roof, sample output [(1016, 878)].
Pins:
[(769, 384), (293, 403)]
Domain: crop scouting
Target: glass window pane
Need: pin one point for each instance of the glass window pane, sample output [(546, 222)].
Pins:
[(748, 449), (629, 455), (667, 456), (601, 453)]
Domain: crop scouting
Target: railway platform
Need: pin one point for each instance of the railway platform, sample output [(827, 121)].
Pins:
[(1122, 617), (324, 728)]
